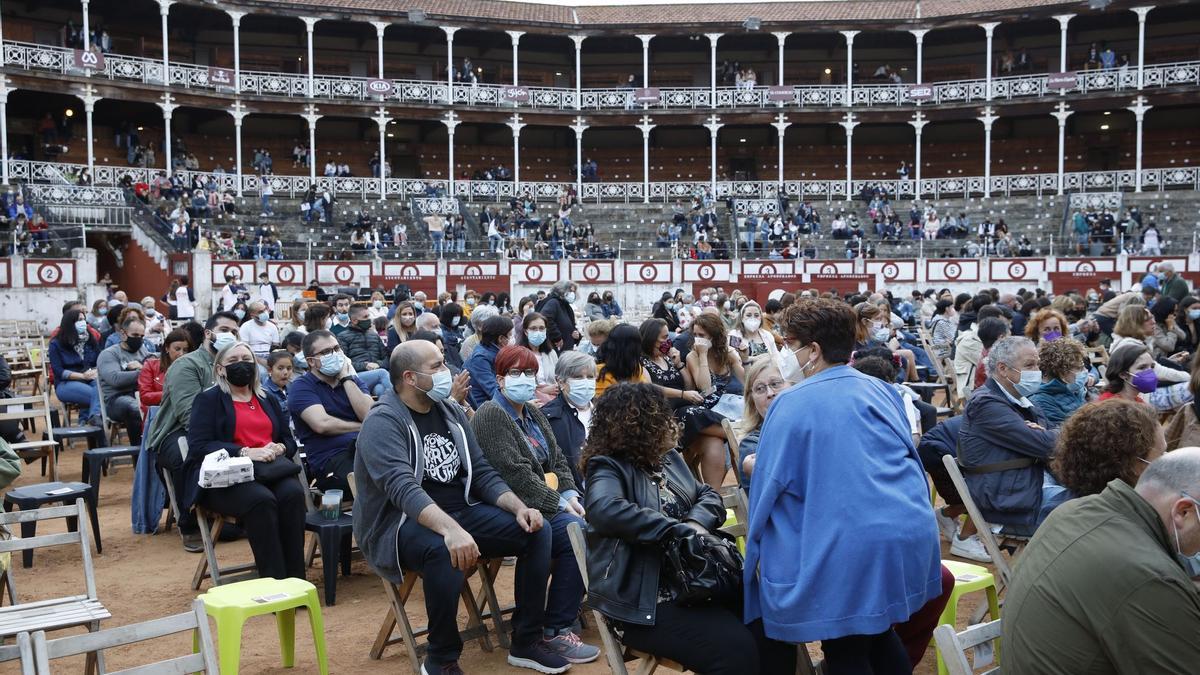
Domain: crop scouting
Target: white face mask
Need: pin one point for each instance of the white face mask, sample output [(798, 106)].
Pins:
[(752, 324), (789, 366), (703, 343)]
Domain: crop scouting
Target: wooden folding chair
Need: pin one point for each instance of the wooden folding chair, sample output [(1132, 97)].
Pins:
[(953, 400), (23, 650), (62, 612), (208, 566), (112, 430), (33, 409), (195, 622), (955, 646), (996, 547)]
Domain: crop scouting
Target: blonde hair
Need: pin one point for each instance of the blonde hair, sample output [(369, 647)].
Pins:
[(219, 379), (1130, 320), (600, 327), (401, 332), (751, 419)]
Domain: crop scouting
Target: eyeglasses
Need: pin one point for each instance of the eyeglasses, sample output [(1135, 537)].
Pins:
[(517, 372), (762, 388), (325, 352)]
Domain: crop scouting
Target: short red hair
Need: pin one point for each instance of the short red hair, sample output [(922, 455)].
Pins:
[(515, 356)]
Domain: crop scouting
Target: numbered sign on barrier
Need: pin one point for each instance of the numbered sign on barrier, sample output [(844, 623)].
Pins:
[(704, 271), (344, 273), (648, 273), (49, 273), (287, 273), (533, 272), (592, 271)]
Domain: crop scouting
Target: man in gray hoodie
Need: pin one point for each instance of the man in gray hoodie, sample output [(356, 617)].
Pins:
[(427, 500), (118, 367)]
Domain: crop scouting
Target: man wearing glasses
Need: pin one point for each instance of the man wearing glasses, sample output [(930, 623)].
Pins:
[(328, 404)]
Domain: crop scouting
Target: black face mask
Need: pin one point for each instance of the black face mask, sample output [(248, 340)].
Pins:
[(133, 343), (240, 373), (364, 325)]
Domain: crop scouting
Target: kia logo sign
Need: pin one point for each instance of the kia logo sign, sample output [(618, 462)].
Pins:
[(1060, 81), (920, 92), (780, 94), (220, 77), (646, 95), (379, 87), (514, 94), (90, 60)]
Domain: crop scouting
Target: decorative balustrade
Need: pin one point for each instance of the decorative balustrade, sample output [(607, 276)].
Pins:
[(346, 88), (88, 195), (442, 206), (1094, 201)]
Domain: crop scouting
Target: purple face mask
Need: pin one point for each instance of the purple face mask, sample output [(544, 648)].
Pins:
[(1052, 336), (1144, 381)]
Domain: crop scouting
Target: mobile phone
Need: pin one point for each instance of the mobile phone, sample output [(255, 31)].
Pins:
[(735, 341)]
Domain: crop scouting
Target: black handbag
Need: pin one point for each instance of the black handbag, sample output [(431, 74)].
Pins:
[(275, 470), (700, 568)]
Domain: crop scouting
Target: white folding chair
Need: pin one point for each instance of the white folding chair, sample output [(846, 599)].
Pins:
[(955, 646)]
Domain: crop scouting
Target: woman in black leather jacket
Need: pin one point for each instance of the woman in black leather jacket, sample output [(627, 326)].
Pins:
[(640, 493)]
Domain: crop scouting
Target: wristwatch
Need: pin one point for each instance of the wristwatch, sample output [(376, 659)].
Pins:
[(343, 380)]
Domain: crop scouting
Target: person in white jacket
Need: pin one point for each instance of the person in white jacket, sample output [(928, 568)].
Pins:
[(1135, 325), (749, 337)]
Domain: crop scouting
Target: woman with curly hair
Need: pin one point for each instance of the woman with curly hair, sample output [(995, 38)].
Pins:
[(640, 495), (1064, 379), (1104, 441), (1047, 324)]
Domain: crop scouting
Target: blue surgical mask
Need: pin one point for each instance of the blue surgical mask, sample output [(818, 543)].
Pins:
[(223, 340), (519, 389), (536, 338), (239, 313), (582, 391), (263, 317), (299, 362), (81, 327), (570, 297), (1194, 314), (343, 317), (1030, 382), (881, 334), (1191, 563), (442, 383), (331, 364)]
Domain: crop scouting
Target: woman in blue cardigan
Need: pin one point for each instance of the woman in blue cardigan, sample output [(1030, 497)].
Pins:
[(236, 415), (73, 352)]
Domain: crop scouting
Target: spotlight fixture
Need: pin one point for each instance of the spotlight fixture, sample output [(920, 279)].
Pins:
[(1103, 127), (828, 71)]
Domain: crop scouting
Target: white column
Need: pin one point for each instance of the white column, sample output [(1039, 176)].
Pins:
[(89, 99), (516, 41), (918, 123), (449, 31), (168, 107), (988, 29), (919, 34), (380, 27), (239, 112), (1139, 110), (451, 121), (382, 119), (781, 124), (1063, 20), (310, 22), (4, 91), (1061, 112), (236, 17), (1141, 14), (164, 8), (781, 38), (579, 127), (712, 77), (645, 58), (516, 125), (87, 27), (848, 123), (645, 128), (988, 118), (713, 125), (849, 35), (311, 117), (578, 40)]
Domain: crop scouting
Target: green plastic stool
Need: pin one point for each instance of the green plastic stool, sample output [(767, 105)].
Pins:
[(232, 604), (730, 521), (968, 578)]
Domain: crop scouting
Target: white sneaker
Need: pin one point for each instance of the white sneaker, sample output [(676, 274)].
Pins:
[(948, 525), (970, 548)]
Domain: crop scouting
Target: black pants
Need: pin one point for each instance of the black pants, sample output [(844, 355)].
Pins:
[(881, 654), (711, 639), (125, 411), (169, 456), (332, 475), (273, 516)]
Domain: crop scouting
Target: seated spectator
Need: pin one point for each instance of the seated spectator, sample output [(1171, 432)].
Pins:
[(366, 352), (154, 370), (1047, 324), (938, 442), (420, 508), (570, 412), (1064, 380), (1105, 571), (156, 324), (522, 448), (560, 315), (619, 359), (476, 317), (764, 383), (493, 336), (295, 319), (597, 332), (968, 348), (98, 317), (749, 337), (260, 332), (328, 404), (118, 368), (73, 353), (592, 311), (275, 381), (237, 416), (316, 317), (610, 306), (715, 369), (404, 324), (943, 328), (1004, 444), (1183, 430), (989, 330), (1135, 326), (1130, 373), (533, 337), (800, 487), (641, 495), (450, 316), (340, 304)]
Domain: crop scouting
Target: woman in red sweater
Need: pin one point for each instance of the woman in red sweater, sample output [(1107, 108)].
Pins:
[(154, 372)]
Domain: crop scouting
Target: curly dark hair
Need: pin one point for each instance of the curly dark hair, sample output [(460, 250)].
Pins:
[(1102, 441), (639, 426)]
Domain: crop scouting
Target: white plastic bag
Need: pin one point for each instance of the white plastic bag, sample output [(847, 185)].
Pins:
[(219, 470)]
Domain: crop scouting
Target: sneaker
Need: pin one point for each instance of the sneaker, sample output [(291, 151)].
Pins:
[(970, 548), (567, 644), (451, 668), (948, 525), (537, 656), (192, 543)]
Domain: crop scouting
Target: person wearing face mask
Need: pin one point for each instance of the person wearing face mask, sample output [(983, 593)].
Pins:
[(378, 307), (1064, 380), (167, 436), (237, 416), (295, 322), (366, 352), (118, 368), (268, 293), (450, 315), (494, 334), (156, 324), (610, 306), (892, 558), (98, 317), (749, 337), (1130, 373), (533, 338), (154, 370), (520, 444), (1113, 577), (341, 313), (1187, 320), (1005, 443), (260, 332), (73, 353), (428, 500), (592, 311), (234, 292), (328, 405), (560, 315), (404, 324), (570, 412), (240, 310)]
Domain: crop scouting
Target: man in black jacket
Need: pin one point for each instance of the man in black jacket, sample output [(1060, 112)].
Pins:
[(560, 315), (366, 351)]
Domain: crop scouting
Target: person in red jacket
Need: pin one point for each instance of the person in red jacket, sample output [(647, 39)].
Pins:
[(154, 371)]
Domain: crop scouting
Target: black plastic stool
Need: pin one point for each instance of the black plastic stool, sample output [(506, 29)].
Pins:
[(95, 462), (335, 538), (28, 497)]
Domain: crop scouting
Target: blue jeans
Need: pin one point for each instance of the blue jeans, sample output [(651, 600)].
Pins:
[(378, 380), (81, 393), (437, 242), (566, 586)]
